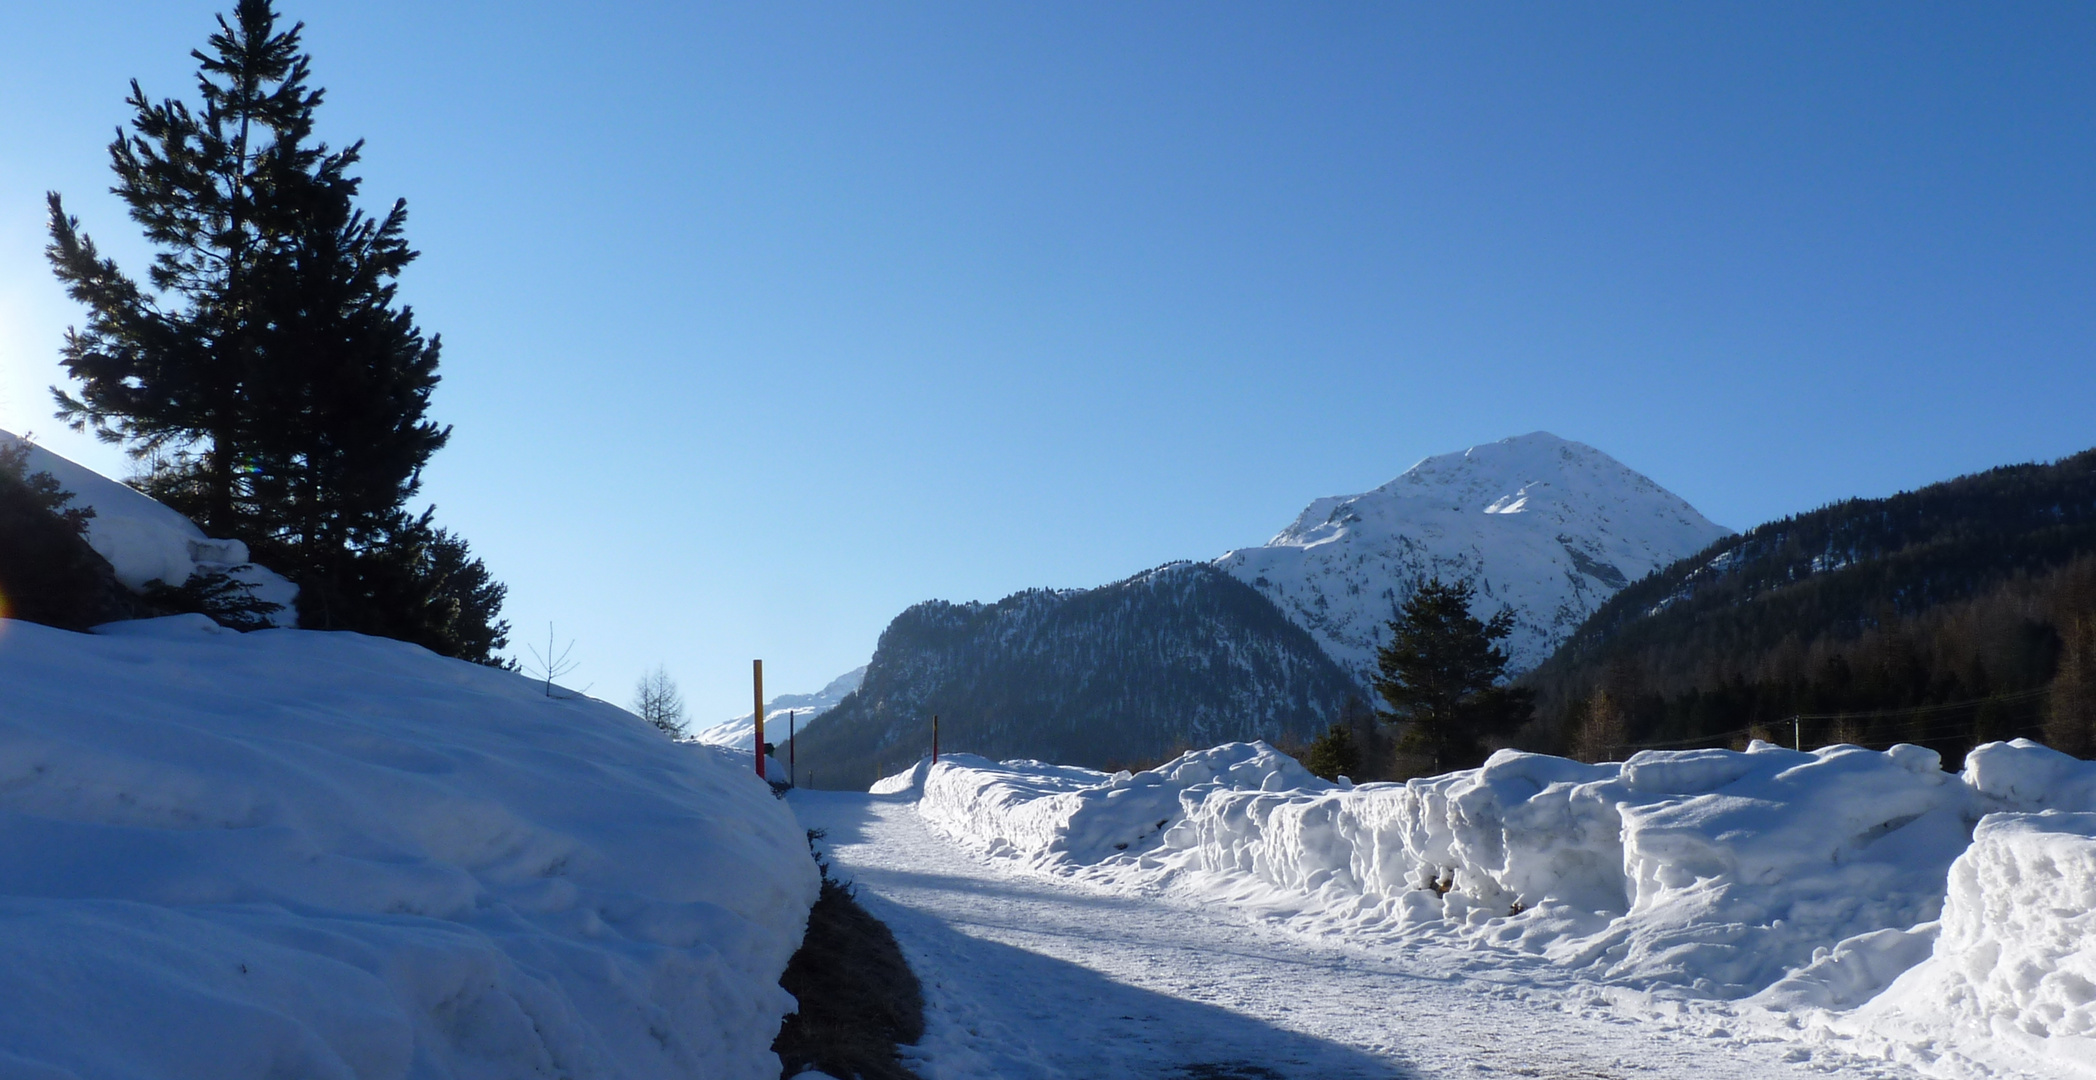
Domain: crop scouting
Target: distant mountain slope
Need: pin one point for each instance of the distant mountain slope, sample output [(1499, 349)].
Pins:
[(1547, 527), (1180, 655), (738, 733), (1964, 590)]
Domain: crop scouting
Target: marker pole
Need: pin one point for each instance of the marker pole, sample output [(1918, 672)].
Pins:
[(757, 676)]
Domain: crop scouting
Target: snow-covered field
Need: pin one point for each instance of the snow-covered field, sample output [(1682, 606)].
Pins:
[(1860, 905), (300, 854)]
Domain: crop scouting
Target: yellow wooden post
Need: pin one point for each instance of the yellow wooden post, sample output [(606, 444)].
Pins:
[(757, 676)]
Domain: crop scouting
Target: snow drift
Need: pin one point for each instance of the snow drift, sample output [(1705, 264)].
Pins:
[(1802, 880), (1712, 870), (146, 541), (289, 853), (2013, 958), (1060, 814)]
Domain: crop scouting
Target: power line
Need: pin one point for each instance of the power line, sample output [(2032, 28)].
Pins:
[(1940, 729), (1925, 710)]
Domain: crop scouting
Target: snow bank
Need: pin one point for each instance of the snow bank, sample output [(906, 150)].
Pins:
[(1059, 815), (910, 781), (1713, 870), (145, 540), (2010, 976), (1870, 886), (2017, 951), (1720, 872), (289, 853)]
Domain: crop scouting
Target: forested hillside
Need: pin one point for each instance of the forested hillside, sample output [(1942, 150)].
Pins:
[(1960, 612), (1184, 655)]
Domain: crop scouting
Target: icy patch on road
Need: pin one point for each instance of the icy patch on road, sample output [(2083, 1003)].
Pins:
[(291, 853), (1804, 883)]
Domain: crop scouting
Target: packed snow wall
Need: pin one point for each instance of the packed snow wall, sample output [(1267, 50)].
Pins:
[(1713, 870), (289, 853), (1802, 880), (2014, 957), (1065, 815)]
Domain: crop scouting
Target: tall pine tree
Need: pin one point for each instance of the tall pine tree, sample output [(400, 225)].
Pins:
[(268, 381)]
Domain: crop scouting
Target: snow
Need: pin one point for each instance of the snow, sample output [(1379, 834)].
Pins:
[(1064, 814), (290, 853), (740, 732), (1031, 976), (910, 781), (2013, 962), (1544, 526), (1832, 896), (145, 540)]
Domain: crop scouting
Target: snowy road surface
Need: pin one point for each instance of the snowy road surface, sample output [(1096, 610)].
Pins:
[(1032, 976)]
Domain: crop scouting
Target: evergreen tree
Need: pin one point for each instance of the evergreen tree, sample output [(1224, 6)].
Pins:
[(48, 573), (1440, 676), (2070, 723), (422, 585), (268, 381), (1334, 754)]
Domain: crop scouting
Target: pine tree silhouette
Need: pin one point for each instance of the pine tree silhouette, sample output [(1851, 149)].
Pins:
[(267, 380)]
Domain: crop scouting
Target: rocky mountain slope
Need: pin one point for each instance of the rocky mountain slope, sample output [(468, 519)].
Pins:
[(1178, 656), (1545, 526)]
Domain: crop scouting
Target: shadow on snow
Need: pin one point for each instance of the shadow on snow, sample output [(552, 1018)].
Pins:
[(1011, 1012)]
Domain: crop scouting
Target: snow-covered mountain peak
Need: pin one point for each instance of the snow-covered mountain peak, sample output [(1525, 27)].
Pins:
[(1545, 526), (1538, 474)]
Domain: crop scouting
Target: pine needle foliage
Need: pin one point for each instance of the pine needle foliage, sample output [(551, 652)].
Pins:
[(1334, 754), (1945, 616), (48, 573), (1440, 676), (264, 375)]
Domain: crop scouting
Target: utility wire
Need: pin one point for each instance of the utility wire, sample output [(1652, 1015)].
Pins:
[(1924, 710), (1941, 728)]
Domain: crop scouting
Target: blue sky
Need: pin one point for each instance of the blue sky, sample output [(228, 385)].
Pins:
[(762, 322)]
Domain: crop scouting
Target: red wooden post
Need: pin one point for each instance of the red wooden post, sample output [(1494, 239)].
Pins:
[(757, 675)]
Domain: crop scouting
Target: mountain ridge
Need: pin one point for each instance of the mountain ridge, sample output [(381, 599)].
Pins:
[(1182, 653), (1547, 527), (1943, 598)]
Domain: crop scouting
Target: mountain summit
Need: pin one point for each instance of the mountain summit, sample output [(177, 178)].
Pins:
[(1545, 526)]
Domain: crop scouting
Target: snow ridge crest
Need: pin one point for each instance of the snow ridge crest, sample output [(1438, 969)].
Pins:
[(1541, 525)]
